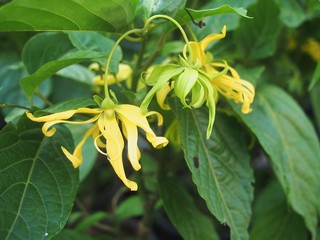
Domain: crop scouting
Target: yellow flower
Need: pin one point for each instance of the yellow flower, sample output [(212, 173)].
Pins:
[(124, 73), (312, 47), (231, 86), (107, 135), (198, 55)]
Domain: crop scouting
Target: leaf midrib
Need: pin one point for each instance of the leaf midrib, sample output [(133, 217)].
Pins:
[(214, 176)]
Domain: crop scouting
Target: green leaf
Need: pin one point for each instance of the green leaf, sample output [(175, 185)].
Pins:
[(11, 71), (165, 7), (315, 77), (294, 13), (78, 73), (184, 18), (71, 104), (315, 99), (91, 220), (220, 167), (216, 22), (273, 219), (130, 207), (257, 38), (43, 48), (38, 183), (30, 83), (68, 234), (35, 15), (183, 212), (95, 42), (287, 135)]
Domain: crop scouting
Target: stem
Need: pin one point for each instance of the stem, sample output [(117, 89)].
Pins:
[(7, 105), (43, 98), (136, 75), (147, 23), (148, 201), (106, 90)]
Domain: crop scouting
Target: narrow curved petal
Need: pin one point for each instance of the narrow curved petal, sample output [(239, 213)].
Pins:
[(159, 76), (197, 54), (198, 95), (109, 128), (207, 40), (49, 132), (162, 94), (211, 103), (133, 114), (76, 157), (184, 84), (131, 133)]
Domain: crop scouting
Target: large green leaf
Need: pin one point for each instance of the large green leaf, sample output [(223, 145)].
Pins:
[(166, 7), (183, 17), (273, 219), (38, 183), (128, 208), (31, 82), (216, 22), (288, 136), (257, 38), (70, 104), (92, 41), (183, 212), (43, 48), (315, 99), (11, 71), (220, 167), (35, 15), (294, 13)]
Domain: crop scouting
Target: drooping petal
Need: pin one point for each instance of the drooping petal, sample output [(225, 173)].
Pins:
[(233, 87), (162, 94), (211, 103), (133, 114), (109, 128), (198, 95), (76, 157), (130, 131), (197, 54), (184, 83), (159, 77)]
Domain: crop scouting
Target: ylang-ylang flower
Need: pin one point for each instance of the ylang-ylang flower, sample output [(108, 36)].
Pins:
[(108, 138), (196, 79)]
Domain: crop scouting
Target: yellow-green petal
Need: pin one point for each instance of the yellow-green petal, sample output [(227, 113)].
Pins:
[(109, 128), (49, 132), (131, 133), (184, 84), (134, 115), (162, 94), (207, 40), (76, 157)]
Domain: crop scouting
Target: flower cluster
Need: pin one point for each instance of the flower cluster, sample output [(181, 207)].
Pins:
[(106, 133), (195, 79)]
